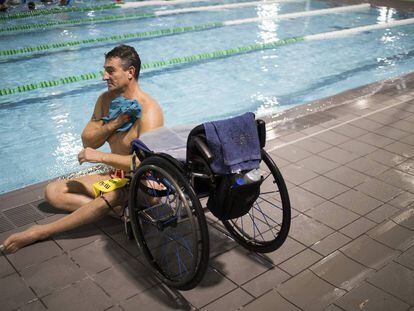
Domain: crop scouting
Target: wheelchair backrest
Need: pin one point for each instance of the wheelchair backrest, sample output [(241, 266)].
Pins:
[(197, 147)]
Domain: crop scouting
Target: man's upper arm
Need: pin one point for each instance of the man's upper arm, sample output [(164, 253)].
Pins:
[(94, 123)]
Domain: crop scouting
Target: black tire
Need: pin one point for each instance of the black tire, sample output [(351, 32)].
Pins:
[(168, 223), (266, 226)]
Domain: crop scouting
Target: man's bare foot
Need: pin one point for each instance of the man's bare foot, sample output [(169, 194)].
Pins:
[(18, 240)]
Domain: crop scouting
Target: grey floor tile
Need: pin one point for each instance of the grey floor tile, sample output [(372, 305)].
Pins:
[(300, 261), (84, 295), (407, 258), (212, 287), (403, 200), (376, 140), (99, 255), (402, 149), (290, 153), (332, 215), (125, 280), (406, 167), (231, 301), (341, 271), (5, 267), (367, 166), (130, 246), (33, 306), (405, 218), (357, 202), (297, 174), (358, 227), (396, 280), (331, 243), (398, 179), (393, 235), (34, 254), (332, 137), (386, 158), (379, 190), (60, 272), (407, 140), (239, 265), (313, 145), (367, 124), (14, 292), (110, 225), (339, 155), (219, 242), (288, 249), (369, 252), (78, 237), (318, 164), (308, 231), (383, 118), (403, 125), (332, 308), (369, 298), (350, 131), (391, 132), (347, 176), (324, 187), (303, 200), (272, 301), (158, 298), (306, 289), (357, 147), (265, 282), (382, 213)]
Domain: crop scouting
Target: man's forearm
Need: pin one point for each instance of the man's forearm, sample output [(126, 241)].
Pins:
[(94, 136), (118, 161)]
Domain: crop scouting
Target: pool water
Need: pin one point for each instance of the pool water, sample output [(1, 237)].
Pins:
[(40, 130)]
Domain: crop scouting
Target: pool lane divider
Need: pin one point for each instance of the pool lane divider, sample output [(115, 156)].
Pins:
[(210, 55), (59, 10), (177, 30), (131, 16), (128, 5)]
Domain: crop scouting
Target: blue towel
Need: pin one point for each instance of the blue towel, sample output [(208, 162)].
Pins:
[(234, 143), (122, 105)]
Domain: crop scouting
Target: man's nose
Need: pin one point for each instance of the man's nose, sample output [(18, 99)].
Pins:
[(105, 76)]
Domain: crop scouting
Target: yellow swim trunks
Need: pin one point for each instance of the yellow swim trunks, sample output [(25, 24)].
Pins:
[(108, 185)]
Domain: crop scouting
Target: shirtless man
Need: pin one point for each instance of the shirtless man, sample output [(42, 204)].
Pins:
[(121, 71)]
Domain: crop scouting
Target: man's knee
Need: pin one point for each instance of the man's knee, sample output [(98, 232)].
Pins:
[(54, 192)]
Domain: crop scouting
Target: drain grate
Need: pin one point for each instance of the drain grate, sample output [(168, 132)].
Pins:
[(22, 215), (5, 225)]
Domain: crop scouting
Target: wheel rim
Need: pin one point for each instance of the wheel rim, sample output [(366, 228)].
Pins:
[(264, 227), (164, 225)]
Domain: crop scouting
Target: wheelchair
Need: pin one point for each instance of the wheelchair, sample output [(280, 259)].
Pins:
[(169, 223)]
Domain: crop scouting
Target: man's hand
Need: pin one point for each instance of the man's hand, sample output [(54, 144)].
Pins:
[(90, 155), (119, 121)]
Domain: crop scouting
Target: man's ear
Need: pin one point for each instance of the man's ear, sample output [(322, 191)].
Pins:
[(131, 72)]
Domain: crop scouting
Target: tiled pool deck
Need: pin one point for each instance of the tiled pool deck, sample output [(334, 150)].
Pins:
[(350, 173)]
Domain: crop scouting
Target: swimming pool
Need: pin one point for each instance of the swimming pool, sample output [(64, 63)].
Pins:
[(40, 129)]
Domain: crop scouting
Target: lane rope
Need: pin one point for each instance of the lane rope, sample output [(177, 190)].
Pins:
[(131, 16), (128, 5), (59, 10), (176, 30), (210, 55)]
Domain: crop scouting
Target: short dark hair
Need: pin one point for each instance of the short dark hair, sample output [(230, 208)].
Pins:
[(129, 57)]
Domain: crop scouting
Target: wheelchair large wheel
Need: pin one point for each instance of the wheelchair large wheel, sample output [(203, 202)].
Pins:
[(168, 223), (266, 226)]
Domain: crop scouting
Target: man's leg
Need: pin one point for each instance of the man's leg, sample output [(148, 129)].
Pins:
[(87, 213), (71, 194)]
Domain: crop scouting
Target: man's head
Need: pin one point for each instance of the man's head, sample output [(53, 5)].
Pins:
[(122, 64)]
